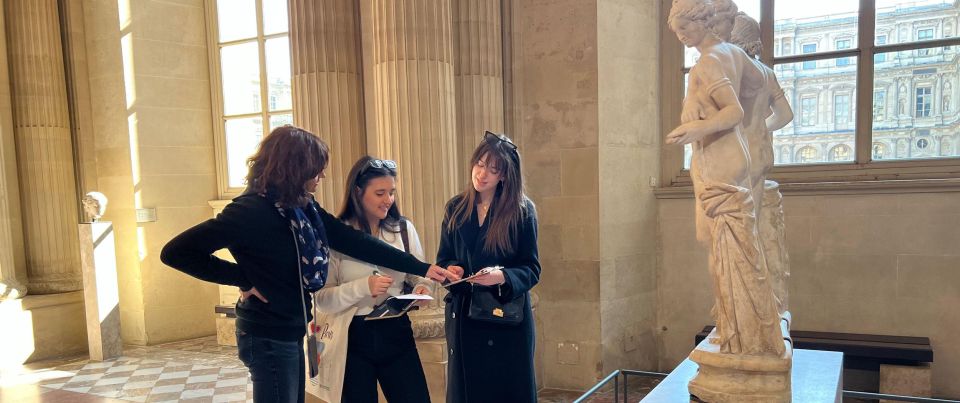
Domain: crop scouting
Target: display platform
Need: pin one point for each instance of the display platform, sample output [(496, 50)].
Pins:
[(817, 377)]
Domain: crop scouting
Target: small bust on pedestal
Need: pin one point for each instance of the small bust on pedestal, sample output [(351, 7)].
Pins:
[(101, 292), (94, 205)]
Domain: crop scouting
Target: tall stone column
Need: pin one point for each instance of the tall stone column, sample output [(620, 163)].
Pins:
[(478, 68), (413, 87), (44, 146), (11, 234), (327, 84)]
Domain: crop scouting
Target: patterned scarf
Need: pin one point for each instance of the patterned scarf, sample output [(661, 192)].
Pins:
[(311, 237)]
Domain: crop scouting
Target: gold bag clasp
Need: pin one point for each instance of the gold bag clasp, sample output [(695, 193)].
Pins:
[(498, 312)]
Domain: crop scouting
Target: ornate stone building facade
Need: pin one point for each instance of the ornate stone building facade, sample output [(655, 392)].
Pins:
[(914, 97)]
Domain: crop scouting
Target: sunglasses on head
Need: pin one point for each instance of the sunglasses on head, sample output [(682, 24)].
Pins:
[(375, 163), (498, 138)]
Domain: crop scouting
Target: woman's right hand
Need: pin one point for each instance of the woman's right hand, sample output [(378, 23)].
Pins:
[(457, 270), (244, 295), (378, 284)]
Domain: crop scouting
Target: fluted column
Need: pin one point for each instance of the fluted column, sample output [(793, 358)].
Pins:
[(478, 68), (414, 99), (11, 242), (44, 146), (327, 84)]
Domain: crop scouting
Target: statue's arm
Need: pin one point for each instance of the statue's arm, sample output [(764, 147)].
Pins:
[(782, 113), (721, 92)]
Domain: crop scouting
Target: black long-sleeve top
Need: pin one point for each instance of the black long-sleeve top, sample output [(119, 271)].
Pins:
[(263, 246)]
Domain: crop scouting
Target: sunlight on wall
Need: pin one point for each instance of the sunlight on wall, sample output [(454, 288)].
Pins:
[(17, 342)]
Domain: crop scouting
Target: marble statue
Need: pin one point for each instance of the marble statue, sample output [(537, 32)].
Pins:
[(729, 97), (94, 205), (765, 110)]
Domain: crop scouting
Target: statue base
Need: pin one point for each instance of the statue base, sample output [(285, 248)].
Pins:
[(724, 377)]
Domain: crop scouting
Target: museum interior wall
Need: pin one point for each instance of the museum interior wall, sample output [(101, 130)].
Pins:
[(624, 283)]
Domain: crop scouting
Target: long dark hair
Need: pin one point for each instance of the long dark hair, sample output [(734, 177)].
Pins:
[(352, 209), (509, 201), (285, 160)]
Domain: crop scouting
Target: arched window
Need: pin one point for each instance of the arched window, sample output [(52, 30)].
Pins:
[(880, 151), (807, 154), (841, 153)]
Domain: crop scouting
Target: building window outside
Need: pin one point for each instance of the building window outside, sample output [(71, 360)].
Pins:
[(841, 45), (808, 111), (880, 57), (924, 102), (841, 111), (879, 105), (841, 153), (252, 79), (807, 155), (924, 35), (809, 48)]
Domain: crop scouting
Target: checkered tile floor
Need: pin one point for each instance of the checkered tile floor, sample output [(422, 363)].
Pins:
[(189, 371)]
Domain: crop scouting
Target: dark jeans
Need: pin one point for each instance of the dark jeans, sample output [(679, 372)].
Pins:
[(383, 350), (276, 368)]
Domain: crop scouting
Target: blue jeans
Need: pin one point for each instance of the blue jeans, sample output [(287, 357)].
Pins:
[(276, 368)]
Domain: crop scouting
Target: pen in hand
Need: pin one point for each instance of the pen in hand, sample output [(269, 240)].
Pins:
[(378, 283)]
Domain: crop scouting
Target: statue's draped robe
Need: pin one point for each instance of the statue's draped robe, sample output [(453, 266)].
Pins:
[(745, 309)]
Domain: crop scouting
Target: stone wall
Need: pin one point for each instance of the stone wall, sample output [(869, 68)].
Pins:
[(584, 108), (150, 87)]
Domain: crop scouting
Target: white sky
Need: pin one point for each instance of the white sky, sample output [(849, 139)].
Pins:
[(815, 8)]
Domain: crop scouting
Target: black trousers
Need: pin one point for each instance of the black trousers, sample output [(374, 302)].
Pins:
[(383, 351)]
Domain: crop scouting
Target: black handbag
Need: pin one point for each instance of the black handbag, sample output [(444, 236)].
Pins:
[(486, 307)]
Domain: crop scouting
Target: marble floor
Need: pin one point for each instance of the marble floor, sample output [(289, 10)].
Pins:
[(196, 370), (189, 371)]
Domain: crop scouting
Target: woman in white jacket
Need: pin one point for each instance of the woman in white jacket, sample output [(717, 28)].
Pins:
[(380, 350)]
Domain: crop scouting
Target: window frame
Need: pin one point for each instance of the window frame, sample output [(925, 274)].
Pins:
[(923, 103), (810, 121), (847, 96), (214, 47), (843, 61), (861, 173)]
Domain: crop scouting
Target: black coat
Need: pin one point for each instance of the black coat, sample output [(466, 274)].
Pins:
[(490, 362), (266, 258)]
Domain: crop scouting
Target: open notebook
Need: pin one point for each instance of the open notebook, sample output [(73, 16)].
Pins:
[(396, 306)]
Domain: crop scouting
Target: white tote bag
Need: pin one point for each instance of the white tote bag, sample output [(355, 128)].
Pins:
[(331, 334)]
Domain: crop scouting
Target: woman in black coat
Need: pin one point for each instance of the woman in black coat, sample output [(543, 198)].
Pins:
[(492, 224), (280, 238)]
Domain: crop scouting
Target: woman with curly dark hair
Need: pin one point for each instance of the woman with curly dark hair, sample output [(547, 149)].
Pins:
[(281, 240)]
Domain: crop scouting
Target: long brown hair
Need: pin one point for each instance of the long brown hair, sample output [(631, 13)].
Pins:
[(509, 201), (285, 160), (352, 210)]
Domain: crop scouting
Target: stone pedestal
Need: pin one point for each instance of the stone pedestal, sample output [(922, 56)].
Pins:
[(433, 357), (101, 293), (740, 377), (226, 331), (905, 380), (816, 377)]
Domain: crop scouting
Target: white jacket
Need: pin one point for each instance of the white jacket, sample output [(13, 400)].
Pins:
[(347, 286)]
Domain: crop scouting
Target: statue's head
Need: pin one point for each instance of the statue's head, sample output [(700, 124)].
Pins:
[(690, 20), (746, 34), (94, 204), (722, 22)]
